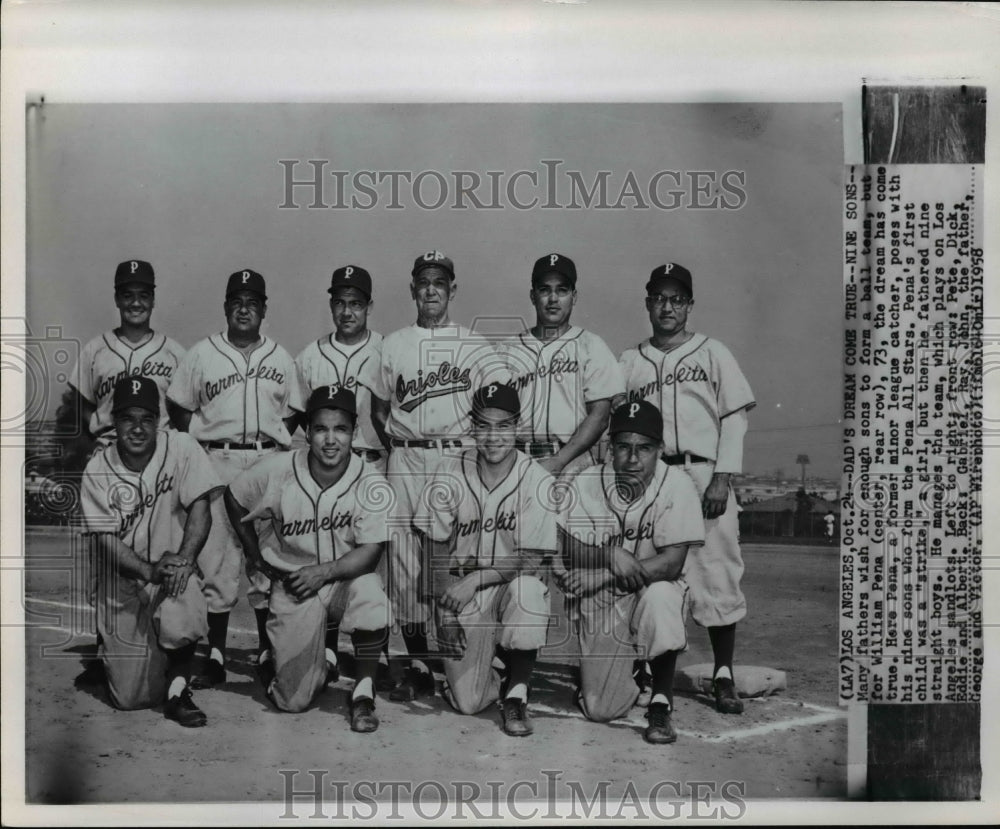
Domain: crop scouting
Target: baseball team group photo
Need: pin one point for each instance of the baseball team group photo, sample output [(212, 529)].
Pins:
[(381, 440)]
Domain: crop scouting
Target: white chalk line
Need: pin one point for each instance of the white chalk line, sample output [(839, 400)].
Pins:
[(823, 714)]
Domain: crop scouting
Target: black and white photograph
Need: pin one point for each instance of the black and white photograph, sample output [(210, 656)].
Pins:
[(427, 451)]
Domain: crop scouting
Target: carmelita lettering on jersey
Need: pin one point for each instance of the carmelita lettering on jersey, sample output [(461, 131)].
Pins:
[(684, 374), (149, 368), (503, 521), (642, 533), (447, 379), (559, 366), (163, 485), (307, 526), (258, 373)]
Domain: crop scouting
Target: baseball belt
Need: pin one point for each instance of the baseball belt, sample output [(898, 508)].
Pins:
[(540, 449), (684, 458), (370, 455), (226, 444), (444, 443)]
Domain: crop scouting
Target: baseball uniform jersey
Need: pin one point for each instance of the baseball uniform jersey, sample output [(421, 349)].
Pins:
[(487, 528), (698, 386), (107, 359), (239, 398), (355, 367), (147, 511), (314, 526), (555, 379), (616, 626), (429, 376)]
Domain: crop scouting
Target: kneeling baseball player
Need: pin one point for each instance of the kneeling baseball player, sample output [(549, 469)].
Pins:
[(628, 525), (330, 513), (489, 526), (145, 502)]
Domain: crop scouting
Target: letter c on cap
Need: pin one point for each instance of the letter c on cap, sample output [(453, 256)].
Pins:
[(134, 266), (348, 271), (136, 386), (491, 390), (246, 277), (553, 258), (633, 409)]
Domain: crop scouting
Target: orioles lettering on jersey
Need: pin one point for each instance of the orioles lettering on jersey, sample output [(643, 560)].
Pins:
[(683, 374), (447, 379)]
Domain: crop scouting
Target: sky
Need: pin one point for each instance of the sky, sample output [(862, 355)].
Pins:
[(196, 189)]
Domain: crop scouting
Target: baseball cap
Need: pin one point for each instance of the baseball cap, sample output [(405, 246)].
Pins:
[(136, 391), (641, 417), (554, 263), (246, 280), (431, 259), (351, 276), (497, 396), (670, 271), (333, 396), (134, 271)]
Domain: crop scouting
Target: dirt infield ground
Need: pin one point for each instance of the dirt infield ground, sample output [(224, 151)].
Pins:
[(80, 750)]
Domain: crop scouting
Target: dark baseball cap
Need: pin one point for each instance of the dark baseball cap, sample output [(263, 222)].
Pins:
[(496, 396), (246, 280), (333, 396), (134, 272), (351, 276), (136, 391), (641, 417), (554, 263), (433, 259), (671, 270)]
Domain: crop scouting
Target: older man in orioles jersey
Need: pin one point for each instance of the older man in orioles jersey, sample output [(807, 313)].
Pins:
[(329, 511), (423, 397), (490, 523), (628, 529), (145, 502)]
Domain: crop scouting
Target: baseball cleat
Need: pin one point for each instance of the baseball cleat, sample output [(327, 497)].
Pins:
[(363, 719), (214, 674), (181, 709), (726, 701), (516, 720), (414, 684), (660, 729)]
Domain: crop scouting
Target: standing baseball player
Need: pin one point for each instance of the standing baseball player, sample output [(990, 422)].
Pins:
[(565, 375), (132, 349), (422, 401), (628, 530), (490, 524), (235, 392), (704, 397), (145, 503), (349, 358), (330, 511)]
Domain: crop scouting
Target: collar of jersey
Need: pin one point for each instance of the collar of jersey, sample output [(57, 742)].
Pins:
[(300, 462), (472, 471), (611, 494)]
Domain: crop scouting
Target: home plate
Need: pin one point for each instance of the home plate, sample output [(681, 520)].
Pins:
[(751, 680)]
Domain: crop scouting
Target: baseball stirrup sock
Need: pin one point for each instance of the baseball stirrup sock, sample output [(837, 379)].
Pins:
[(260, 614), (662, 669), (218, 631)]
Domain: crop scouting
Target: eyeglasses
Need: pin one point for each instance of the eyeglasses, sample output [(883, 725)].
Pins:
[(676, 302)]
